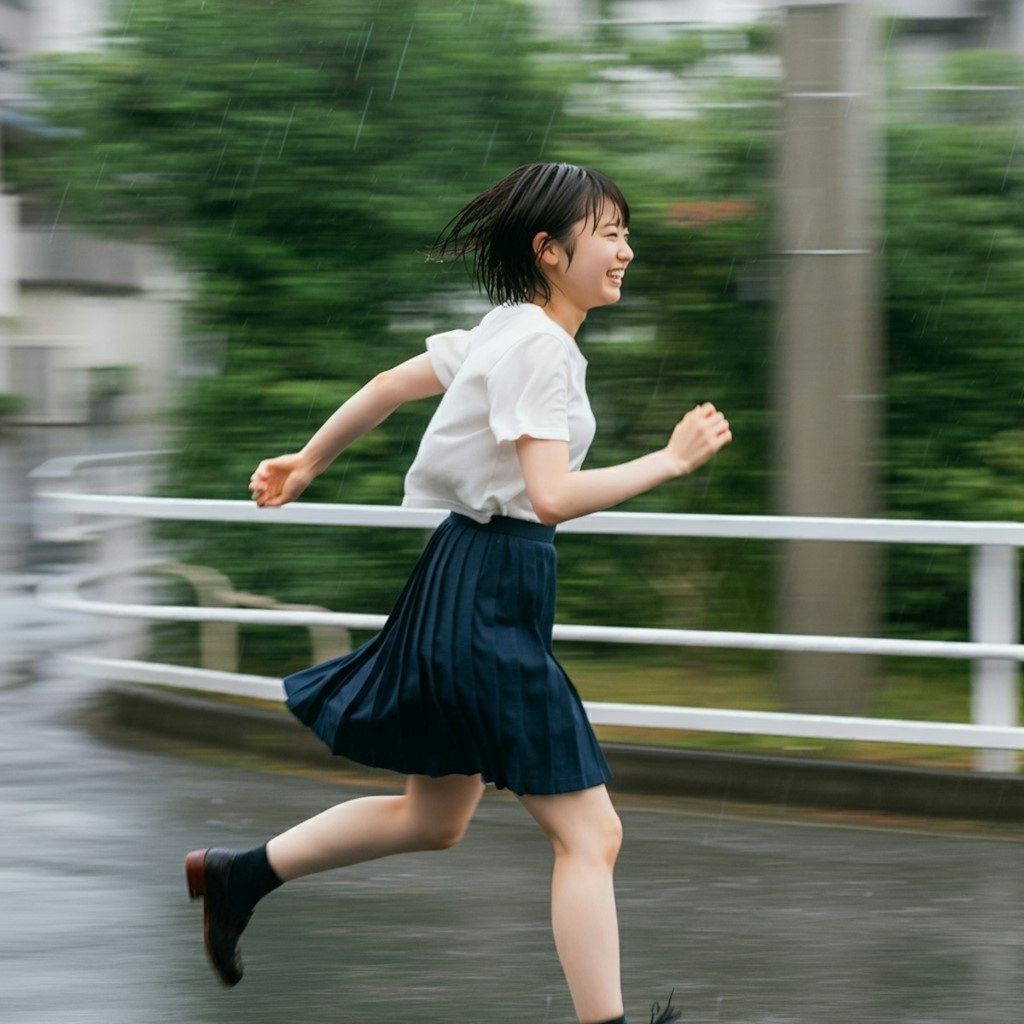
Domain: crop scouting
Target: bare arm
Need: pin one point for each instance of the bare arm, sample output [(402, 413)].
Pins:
[(282, 479), (558, 494)]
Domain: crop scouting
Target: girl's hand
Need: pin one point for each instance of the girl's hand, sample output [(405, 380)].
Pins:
[(278, 481), (698, 436)]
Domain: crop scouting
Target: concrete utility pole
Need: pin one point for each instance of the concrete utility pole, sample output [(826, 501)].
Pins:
[(1015, 25), (828, 343)]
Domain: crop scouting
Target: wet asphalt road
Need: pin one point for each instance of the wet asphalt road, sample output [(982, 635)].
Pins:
[(771, 916), (752, 917)]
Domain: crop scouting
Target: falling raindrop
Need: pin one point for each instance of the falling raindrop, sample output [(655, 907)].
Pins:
[(728, 277), (401, 61), (59, 209), (313, 397), (1009, 162), (362, 121), (127, 21), (366, 46), (490, 144), (103, 167), (220, 161), (287, 129), (259, 163), (547, 131)]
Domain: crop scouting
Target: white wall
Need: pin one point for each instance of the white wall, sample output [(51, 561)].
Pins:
[(82, 303), (60, 336), (66, 26), (8, 256)]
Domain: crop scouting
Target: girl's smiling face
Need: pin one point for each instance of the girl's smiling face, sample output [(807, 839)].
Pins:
[(587, 271)]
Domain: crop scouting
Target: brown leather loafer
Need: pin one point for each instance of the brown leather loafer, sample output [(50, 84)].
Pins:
[(207, 873)]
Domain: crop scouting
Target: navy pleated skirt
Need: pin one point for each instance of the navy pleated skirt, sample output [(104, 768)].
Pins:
[(461, 680)]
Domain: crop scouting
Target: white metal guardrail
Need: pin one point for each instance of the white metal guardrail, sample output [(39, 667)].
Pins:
[(994, 648)]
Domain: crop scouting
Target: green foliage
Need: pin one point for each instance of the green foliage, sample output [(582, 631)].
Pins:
[(763, 36), (10, 404), (694, 325), (954, 265), (301, 156), (674, 53)]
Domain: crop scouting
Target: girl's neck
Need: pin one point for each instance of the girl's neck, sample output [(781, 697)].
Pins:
[(565, 315)]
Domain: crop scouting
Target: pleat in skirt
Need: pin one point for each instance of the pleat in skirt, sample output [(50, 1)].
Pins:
[(462, 679)]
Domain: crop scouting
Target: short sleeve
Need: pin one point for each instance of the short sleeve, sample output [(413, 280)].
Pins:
[(447, 353), (528, 391)]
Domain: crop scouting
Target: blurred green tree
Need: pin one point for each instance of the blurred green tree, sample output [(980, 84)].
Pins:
[(954, 248), (301, 156), (695, 323)]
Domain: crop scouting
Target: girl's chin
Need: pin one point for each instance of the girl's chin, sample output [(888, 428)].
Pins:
[(608, 297)]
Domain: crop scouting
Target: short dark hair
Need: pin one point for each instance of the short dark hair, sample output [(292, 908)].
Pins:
[(498, 227)]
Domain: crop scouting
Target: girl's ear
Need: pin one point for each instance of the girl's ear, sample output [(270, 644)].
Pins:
[(542, 250)]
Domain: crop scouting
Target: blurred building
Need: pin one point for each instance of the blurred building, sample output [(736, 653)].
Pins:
[(89, 327), (927, 31), (62, 26), (931, 25)]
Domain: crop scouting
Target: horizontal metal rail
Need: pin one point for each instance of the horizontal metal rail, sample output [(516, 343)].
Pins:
[(66, 467), (647, 524), (643, 716), (993, 650), (62, 594)]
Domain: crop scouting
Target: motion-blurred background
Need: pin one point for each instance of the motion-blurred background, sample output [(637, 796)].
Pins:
[(213, 228)]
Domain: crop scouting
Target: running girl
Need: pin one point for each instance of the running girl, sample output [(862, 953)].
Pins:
[(460, 687)]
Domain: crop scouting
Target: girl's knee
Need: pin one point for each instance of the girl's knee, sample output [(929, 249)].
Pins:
[(612, 838), (442, 835), (438, 812), (434, 832), (600, 841)]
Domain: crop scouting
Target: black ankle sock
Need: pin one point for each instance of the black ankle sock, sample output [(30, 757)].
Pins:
[(618, 1020), (250, 880)]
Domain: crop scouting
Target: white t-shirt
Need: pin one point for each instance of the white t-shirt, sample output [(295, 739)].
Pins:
[(516, 374)]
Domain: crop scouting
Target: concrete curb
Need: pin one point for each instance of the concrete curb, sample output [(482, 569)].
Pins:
[(654, 771)]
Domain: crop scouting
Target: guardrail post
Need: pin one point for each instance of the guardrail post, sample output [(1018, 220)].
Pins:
[(49, 523), (995, 618), (121, 545)]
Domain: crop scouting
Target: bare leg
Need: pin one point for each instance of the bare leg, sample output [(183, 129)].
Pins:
[(586, 835), (432, 814)]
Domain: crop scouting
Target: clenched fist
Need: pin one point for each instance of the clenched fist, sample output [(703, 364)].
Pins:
[(698, 436)]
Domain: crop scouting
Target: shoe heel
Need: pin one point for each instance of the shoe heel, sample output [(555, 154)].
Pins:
[(195, 873)]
